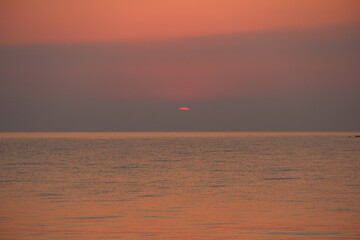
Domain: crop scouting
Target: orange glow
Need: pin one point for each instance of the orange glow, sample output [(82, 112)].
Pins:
[(68, 21), (178, 203), (184, 108)]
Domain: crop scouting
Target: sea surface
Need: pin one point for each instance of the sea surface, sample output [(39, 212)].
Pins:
[(179, 186)]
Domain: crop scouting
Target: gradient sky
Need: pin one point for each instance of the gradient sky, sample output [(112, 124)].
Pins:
[(128, 65)]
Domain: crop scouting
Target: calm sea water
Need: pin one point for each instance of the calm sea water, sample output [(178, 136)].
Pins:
[(179, 186)]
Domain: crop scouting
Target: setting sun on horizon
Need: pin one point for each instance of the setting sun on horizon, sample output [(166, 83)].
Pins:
[(180, 119)]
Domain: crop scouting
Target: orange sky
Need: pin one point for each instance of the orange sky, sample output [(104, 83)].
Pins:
[(81, 21), (232, 62)]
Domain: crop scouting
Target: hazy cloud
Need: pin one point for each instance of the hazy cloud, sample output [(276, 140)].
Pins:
[(285, 80)]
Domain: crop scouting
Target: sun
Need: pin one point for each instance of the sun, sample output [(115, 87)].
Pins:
[(184, 108)]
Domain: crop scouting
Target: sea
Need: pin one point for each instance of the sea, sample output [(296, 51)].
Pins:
[(180, 185)]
